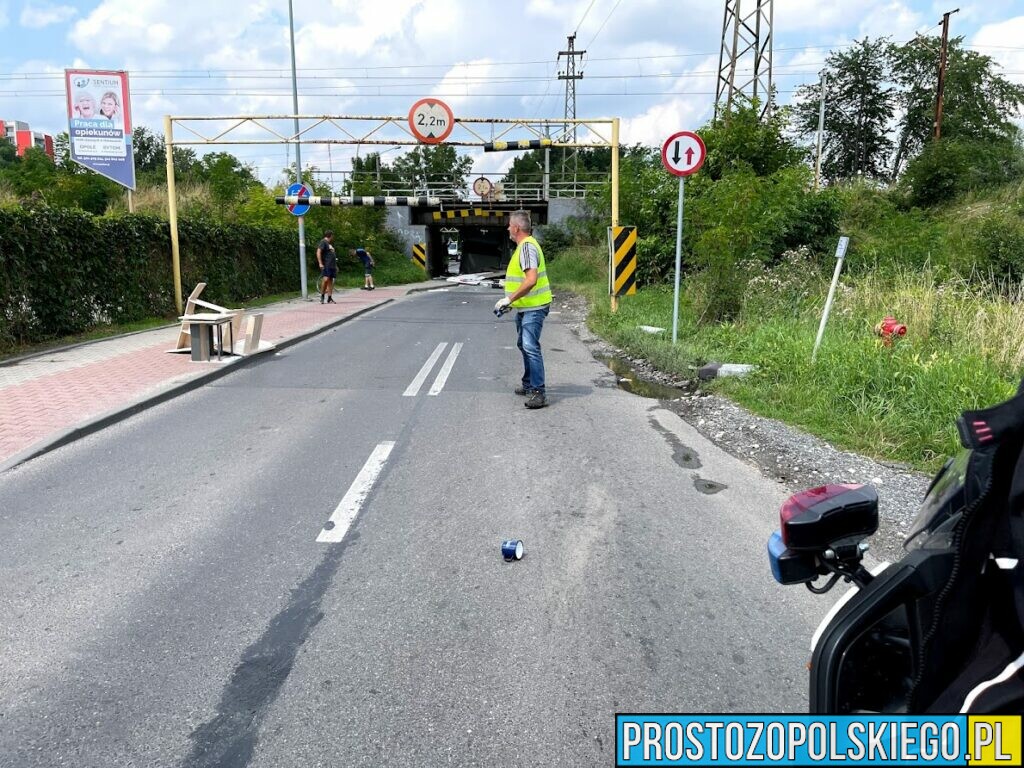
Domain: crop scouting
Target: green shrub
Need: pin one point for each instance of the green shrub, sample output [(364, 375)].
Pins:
[(784, 290), (948, 168), (999, 239), (555, 238), (63, 271), (743, 217)]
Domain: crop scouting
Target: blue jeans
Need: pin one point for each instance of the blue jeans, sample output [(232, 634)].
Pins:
[(528, 327)]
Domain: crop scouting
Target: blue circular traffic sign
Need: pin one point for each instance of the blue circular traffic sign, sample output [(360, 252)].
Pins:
[(300, 190)]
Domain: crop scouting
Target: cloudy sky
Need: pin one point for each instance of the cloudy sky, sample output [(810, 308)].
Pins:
[(651, 62)]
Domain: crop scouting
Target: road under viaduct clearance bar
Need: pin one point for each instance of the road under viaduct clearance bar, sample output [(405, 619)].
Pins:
[(219, 130)]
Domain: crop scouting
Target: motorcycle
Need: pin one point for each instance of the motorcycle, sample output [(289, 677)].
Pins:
[(942, 629)]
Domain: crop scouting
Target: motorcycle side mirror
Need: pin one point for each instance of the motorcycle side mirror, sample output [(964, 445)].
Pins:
[(828, 517)]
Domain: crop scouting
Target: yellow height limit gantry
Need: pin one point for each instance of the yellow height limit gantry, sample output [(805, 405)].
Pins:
[(488, 133)]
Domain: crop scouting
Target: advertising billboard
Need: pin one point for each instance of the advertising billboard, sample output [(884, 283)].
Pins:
[(100, 124)]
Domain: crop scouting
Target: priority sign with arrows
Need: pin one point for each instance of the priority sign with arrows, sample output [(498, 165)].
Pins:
[(683, 153)]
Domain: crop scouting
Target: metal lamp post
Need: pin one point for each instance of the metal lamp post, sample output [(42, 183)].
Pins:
[(298, 153)]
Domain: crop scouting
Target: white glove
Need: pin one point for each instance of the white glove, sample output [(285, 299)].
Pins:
[(501, 304)]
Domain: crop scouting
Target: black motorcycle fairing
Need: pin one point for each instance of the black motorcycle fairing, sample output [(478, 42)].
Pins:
[(877, 631)]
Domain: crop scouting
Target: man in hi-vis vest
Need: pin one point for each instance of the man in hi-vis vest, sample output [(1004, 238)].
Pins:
[(527, 290)]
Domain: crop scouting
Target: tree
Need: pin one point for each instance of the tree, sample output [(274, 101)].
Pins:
[(227, 176), (149, 151), (740, 140), (527, 169), (858, 112), (978, 104), (436, 168), (370, 176), (151, 159), (8, 154)]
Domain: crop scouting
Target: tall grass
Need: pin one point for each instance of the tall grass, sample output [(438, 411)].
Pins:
[(952, 316), (963, 350), (191, 196)]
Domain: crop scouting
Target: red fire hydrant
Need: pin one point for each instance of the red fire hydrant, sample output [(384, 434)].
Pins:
[(889, 329)]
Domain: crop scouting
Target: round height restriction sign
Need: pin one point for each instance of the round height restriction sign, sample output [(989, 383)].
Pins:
[(431, 120), (683, 153)]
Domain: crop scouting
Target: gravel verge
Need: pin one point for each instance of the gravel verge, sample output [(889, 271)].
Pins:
[(793, 458)]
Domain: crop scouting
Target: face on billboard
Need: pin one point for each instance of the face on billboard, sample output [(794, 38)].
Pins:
[(85, 106), (109, 107)]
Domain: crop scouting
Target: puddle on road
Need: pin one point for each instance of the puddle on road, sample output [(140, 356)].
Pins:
[(682, 455), (708, 486), (630, 381)]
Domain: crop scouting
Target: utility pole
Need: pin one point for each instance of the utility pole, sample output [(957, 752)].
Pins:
[(821, 132), (745, 56), (942, 73), (570, 76), (298, 154)]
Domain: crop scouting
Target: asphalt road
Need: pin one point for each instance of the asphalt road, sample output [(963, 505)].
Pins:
[(165, 601)]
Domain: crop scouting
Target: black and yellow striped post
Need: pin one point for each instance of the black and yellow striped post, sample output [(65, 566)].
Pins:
[(419, 255), (622, 250), (506, 146)]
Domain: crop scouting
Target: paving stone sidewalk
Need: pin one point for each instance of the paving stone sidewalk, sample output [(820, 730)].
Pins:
[(48, 399)]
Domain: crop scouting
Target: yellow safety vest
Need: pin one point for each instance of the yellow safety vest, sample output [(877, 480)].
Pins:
[(540, 294)]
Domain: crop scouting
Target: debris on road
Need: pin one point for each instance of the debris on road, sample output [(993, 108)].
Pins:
[(512, 549)]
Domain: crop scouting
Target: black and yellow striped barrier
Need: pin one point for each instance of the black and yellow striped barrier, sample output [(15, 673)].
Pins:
[(504, 146), (378, 201), (465, 213), (623, 261), (419, 255)]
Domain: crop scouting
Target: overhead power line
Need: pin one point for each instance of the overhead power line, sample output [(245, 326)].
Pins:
[(603, 23), (580, 22), (481, 79), (545, 62)]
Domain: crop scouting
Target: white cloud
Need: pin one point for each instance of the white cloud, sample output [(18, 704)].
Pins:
[(4, 19), (999, 41), (893, 19), (661, 121), (146, 27), (42, 15), (877, 17)]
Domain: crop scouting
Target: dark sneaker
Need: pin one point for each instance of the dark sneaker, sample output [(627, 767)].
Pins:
[(330, 300), (537, 400), (365, 288), (373, 287), (522, 390), (321, 298)]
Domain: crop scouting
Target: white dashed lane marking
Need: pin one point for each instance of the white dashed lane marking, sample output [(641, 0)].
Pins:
[(338, 524)]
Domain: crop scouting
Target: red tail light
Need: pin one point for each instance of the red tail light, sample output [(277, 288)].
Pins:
[(819, 517)]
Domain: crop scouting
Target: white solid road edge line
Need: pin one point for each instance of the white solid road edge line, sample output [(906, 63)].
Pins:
[(442, 375), (353, 500), (414, 388)]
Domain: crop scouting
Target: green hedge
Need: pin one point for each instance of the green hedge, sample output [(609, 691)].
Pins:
[(64, 271)]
